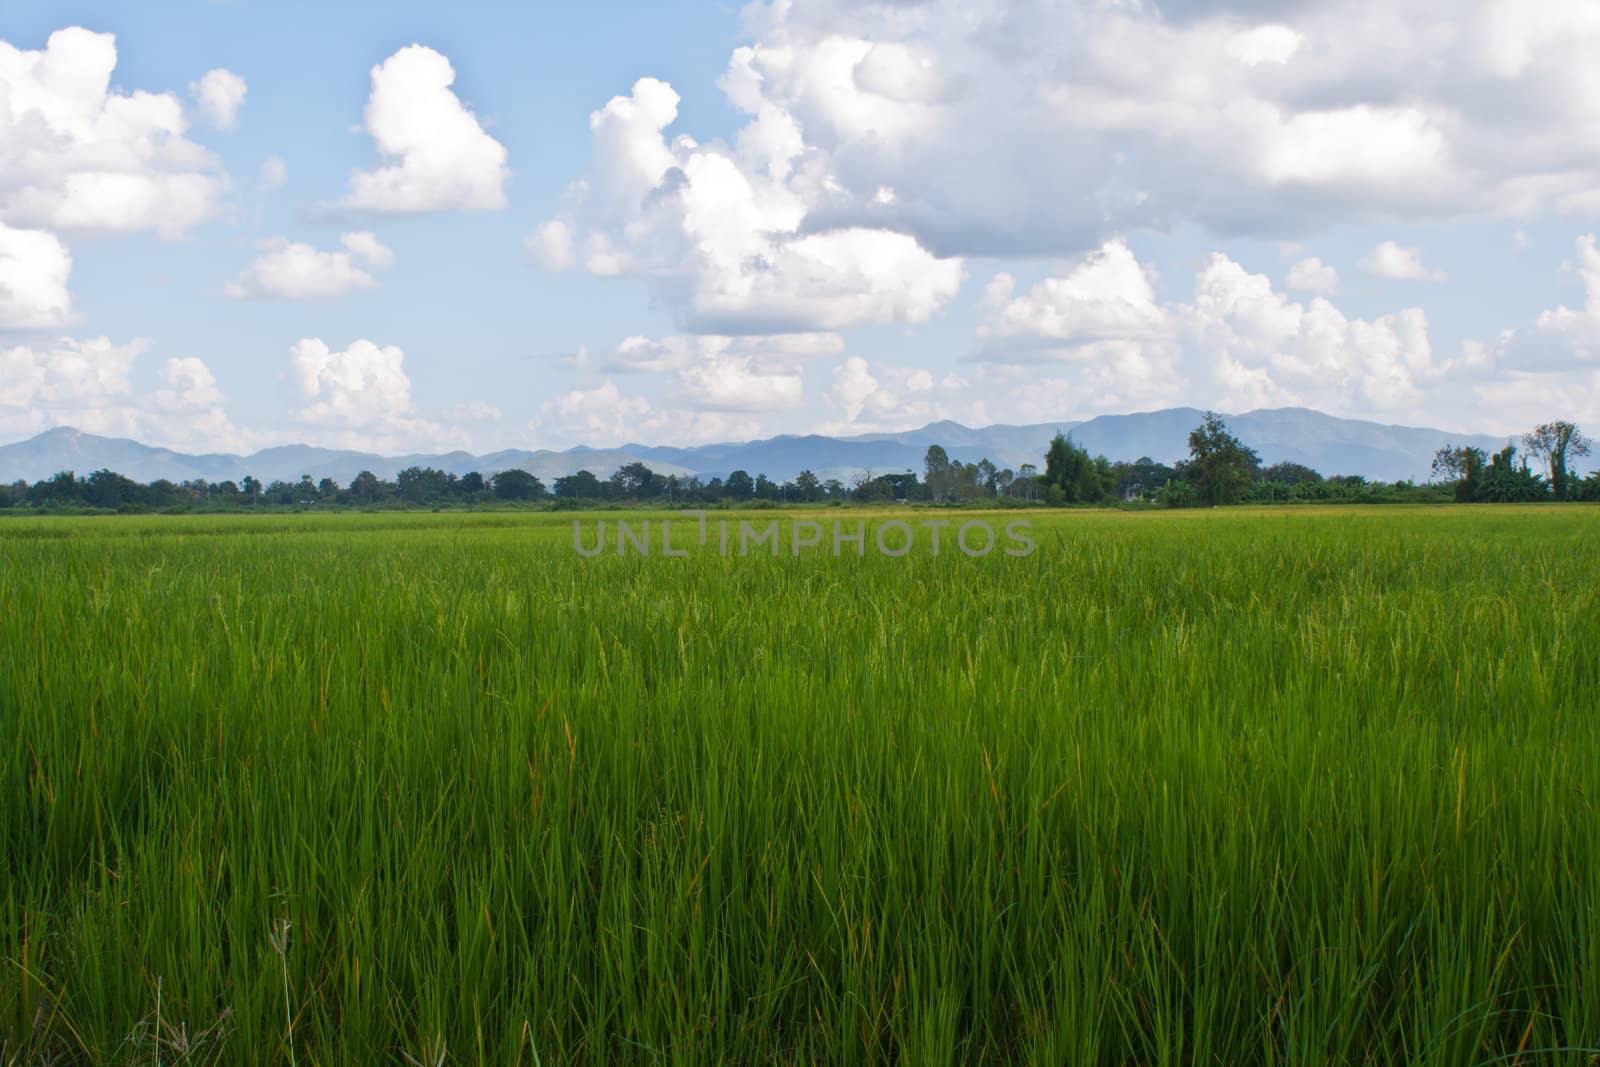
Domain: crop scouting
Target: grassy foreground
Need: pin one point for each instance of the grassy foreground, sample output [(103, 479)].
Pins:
[(1286, 787)]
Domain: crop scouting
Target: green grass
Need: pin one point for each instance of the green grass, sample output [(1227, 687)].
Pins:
[(1224, 787)]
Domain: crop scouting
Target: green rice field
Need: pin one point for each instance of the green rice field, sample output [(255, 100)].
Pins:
[(1288, 786)]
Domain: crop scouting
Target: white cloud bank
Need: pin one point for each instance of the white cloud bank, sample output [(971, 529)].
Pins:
[(883, 142), (88, 385)]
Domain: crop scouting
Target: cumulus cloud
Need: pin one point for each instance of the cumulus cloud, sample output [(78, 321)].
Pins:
[(68, 374), (88, 385), (288, 270), (887, 398), (551, 245), (75, 155), (1562, 337), (1107, 296), (190, 384), (360, 397), (724, 233), (437, 155), (1269, 350), (1311, 275), (1238, 344), (606, 416), (1044, 128), (219, 94), (1399, 263), (274, 172), (34, 267), (721, 373)]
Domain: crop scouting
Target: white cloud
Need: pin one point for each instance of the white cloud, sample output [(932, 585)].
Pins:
[(1105, 296), (274, 172), (292, 271), (76, 155), (190, 384), (853, 386), (887, 398), (1265, 44), (366, 247), (1271, 351), (1561, 338), (88, 385), (1399, 263), (551, 245), (438, 156), (219, 94), (1045, 128), (1311, 275), (724, 233), (720, 373), (68, 374), (34, 267), (733, 383), (361, 398), (604, 416), (1239, 344)]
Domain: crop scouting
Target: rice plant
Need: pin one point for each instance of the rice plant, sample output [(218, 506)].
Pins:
[(1221, 787)]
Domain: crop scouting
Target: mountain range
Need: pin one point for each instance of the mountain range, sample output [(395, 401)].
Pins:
[(1323, 442)]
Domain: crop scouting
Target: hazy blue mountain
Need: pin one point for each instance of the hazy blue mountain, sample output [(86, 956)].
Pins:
[(1325, 443), (1328, 444), (781, 458), (67, 449)]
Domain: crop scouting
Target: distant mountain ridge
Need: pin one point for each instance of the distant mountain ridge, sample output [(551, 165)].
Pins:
[(1326, 443), (64, 448)]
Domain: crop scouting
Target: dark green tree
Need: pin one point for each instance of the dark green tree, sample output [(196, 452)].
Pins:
[(516, 485), (1220, 467), (1072, 476), (365, 488), (808, 486), (108, 489), (1463, 467), (580, 485)]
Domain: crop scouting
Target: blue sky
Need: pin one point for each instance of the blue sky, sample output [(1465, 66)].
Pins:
[(410, 227)]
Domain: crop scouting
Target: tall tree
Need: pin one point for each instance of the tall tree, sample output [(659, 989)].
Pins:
[(808, 485), (1554, 443), (1461, 466), (1221, 467), (936, 473), (987, 476), (740, 485)]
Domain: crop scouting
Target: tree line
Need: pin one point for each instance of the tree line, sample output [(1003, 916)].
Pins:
[(1220, 469)]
